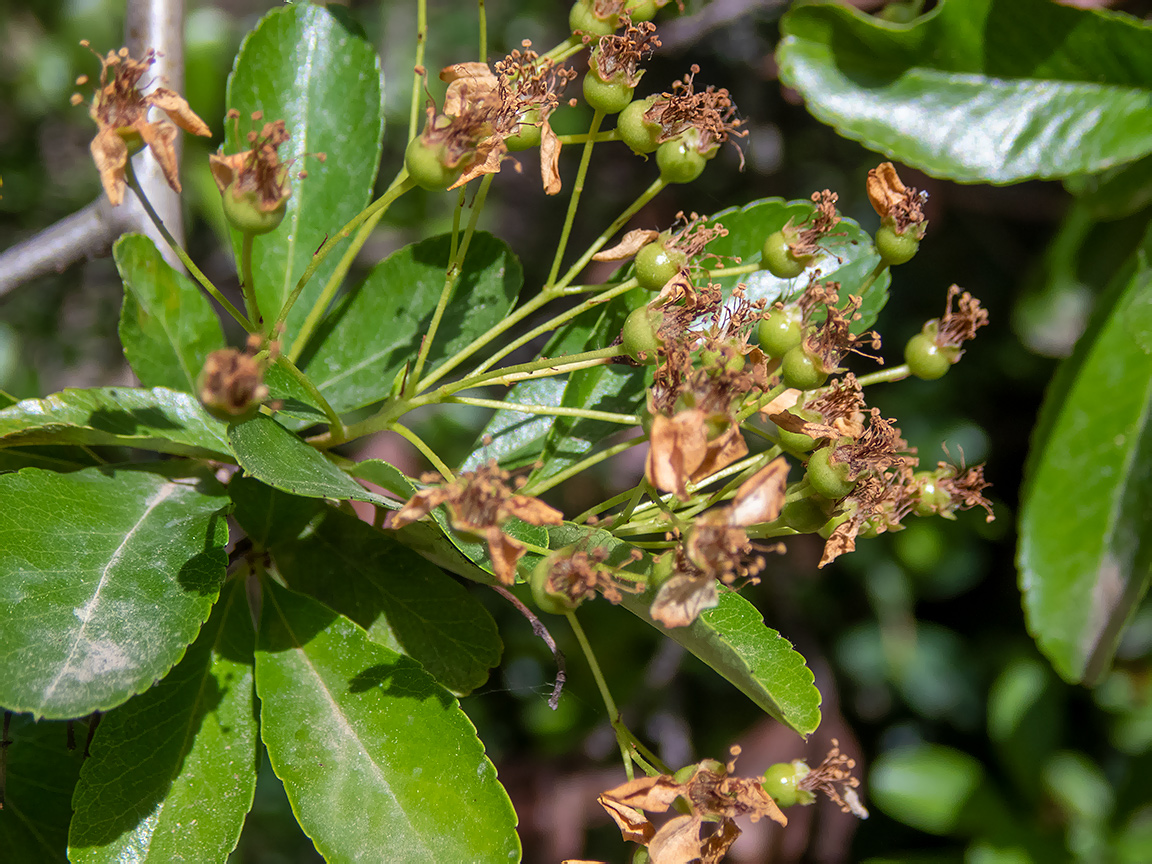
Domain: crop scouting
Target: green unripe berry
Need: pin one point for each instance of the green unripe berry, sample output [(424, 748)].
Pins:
[(801, 370), (780, 782), (554, 604), (583, 20), (528, 135), (778, 259), (896, 248), (829, 478), (426, 167), (780, 332), (798, 442), (679, 160), (611, 97), (806, 515), (931, 497), (641, 10), (639, 134), (926, 359), (245, 213), (655, 264), (639, 336)]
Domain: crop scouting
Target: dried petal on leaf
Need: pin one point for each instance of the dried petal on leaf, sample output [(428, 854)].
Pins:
[(760, 498), (682, 598)]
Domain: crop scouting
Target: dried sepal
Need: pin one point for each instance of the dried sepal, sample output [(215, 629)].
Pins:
[(629, 245), (896, 204)]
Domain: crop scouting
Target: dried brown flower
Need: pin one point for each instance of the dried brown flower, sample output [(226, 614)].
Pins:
[(710, 113), (806, 238), (121, 114), (577, 575), (896, 204), (834, 778), (232, 381), (617, 57), (258, 171), (479, 503), (958, 325)]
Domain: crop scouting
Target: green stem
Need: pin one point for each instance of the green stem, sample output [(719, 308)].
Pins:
[(577, 191), (417, 77), (872, 277), (399, 186), (189, 264), (336, 430), (736, 271), (450, 280), (657, 762), (554, 322), (375, 212), (539, 487), (247, 283), (885, 376), (554, 410), (428, 452), (606, 505), (647, 195), (602, 685), (585, 137), (565, 49), (483, 32)]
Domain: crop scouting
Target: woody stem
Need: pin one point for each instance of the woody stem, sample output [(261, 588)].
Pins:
[(399, 186), (205, 282), (450, 279), (602, 685)]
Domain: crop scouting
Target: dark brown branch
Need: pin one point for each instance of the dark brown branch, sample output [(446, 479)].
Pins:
[(542, 632)]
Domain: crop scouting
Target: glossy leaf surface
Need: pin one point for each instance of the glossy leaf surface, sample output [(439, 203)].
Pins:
[(398, 597), (41, 773), (269, 516), (105, 578), (272, 454), (157, 419), (378, 327), (379, 762), (1084, 554), (311, 67), (167, 325), (172, 773), (733, 639), (978, 90)]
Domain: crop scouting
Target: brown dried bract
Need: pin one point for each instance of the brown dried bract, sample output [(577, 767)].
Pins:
[(959, 324), (895, 203), (257, 170), (617, 57), (714, 797), (232, 381), (121, 114), (834, 778), (478, 503), (629, 245), (710, 112), (680, 450)]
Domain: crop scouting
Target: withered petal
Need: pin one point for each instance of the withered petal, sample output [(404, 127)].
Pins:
[(176, 107), (760, 498), (634, 826), (681, 600), (549, 159), (721, 452), (629, 245), (505, 551), (420, 505), (532, 510), (161, 140), (677, 446), (110, 154)]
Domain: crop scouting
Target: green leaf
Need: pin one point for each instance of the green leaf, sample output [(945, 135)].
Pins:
[(750, 225), (268, 516), (979, 90), (378, 760), (1115, 193), (927, 786), (271, 453), (167, 326), (378, 326), (105, 578), (158, 419), (311, 67), (732, 638), (52, 458), (172, 772), (41, 773), (403, 602), (1086, 516)]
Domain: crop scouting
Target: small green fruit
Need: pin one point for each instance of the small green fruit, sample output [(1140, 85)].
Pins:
[(801, 370), (829, 478), (780, 332), (639, 134), (896, 248), (926, 359), (426, 167), (246, 215), (778, 259), (655, 265), (679, 160), (639, 337), (611, 97)]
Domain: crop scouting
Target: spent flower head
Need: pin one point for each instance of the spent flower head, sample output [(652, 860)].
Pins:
[(120, 110), (710, 112), (479, 502), (231, 385), (897, 205), (617, 56)]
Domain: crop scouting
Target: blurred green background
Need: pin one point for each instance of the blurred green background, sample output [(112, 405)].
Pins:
[(970, 748)]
